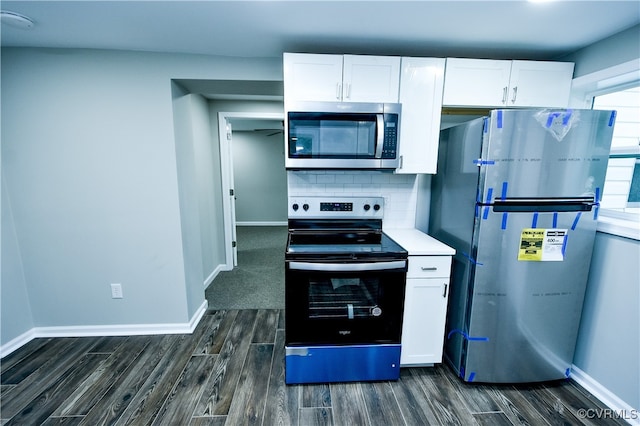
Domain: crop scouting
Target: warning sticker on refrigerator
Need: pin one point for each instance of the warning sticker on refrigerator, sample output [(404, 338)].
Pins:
[(542, 245)]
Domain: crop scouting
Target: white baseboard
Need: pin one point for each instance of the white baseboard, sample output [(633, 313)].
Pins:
[(104, 330), (275, 223), (212, 276), (608, 398), (17, 343)]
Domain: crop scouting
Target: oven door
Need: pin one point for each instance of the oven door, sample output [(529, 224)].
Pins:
[(359, 302)]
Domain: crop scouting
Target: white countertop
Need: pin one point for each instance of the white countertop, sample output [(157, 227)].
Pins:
[(417, 243)]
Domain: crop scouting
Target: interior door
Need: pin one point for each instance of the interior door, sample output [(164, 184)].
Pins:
[(227, 175), (232, 198)]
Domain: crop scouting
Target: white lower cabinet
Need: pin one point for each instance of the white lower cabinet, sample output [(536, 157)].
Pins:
[(425, 310)]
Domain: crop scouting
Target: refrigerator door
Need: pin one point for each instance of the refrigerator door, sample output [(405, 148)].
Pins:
[(547, 153), (526, 298)]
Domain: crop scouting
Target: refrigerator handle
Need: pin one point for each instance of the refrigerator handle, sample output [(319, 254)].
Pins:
[(523, 205)]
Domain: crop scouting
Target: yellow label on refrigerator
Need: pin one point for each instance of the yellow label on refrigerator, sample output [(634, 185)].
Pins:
[(542, 245)]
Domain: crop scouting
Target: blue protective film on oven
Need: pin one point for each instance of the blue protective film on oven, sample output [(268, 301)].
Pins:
[(330, 364)]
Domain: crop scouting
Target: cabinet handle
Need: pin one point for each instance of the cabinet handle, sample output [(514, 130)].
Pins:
[(505, 92), (444, 292), (338, 90), (515, 93), (348, 90), (429, 268)]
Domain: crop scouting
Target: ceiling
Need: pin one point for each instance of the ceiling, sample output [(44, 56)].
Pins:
[(507, 29), (495, 29)]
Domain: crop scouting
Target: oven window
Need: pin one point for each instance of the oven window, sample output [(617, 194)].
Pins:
[(346, 298), (344, 307)]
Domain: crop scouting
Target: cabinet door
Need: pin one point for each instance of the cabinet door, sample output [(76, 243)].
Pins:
[(310, 77), (540, 84), (371, 78), (424, 320), (421, 84), (476, 82)]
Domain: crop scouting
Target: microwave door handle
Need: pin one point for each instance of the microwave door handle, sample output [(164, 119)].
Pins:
[(379, 135)]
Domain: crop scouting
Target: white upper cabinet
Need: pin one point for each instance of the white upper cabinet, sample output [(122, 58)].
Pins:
[(340, 78), (494, 83), (421, 85), (311, 77), (537, 83), (370, 78), (476, 82)]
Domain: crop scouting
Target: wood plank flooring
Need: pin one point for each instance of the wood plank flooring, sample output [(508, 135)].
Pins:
[(230, 371)]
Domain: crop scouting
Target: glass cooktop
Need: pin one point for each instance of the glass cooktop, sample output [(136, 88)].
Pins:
[(373, 245)]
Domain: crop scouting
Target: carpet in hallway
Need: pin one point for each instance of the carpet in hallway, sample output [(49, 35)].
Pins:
[(258, 280)]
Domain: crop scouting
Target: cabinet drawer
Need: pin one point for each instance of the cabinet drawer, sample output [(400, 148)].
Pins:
[(429, 267)]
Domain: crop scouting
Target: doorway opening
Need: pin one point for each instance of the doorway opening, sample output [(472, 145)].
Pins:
[(254, 187), (254, 184)]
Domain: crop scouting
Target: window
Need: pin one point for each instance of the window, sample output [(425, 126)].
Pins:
[(621, 193)]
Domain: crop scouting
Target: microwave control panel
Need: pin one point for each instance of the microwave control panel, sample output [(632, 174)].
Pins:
[(390, 144)]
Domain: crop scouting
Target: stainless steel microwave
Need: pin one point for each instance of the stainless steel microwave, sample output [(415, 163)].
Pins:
[(342, 135)]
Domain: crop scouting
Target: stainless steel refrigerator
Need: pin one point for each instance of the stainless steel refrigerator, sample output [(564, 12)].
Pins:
[(517, 195)]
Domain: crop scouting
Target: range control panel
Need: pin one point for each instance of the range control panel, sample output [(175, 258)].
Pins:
[(335, 207)]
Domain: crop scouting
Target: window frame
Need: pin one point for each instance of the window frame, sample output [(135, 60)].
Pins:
[(584, 89)]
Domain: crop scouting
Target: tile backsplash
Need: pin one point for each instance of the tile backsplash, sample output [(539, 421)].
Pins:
[(399, 191)]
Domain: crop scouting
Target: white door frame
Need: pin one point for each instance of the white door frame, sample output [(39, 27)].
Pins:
[(226, 169)]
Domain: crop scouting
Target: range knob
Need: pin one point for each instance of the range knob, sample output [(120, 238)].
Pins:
[(305, 207), (376, 207), (295, 207), (367, 207)]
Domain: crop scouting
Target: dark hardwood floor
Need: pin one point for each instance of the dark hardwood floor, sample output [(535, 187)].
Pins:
[(231, 371)]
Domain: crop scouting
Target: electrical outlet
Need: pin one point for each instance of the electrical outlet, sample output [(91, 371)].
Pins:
[(116, 291)]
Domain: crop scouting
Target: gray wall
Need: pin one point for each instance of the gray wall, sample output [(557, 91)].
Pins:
[(90, 174), (615, 50), (608, 346), (260, 177), (16, 308), (198, 178)]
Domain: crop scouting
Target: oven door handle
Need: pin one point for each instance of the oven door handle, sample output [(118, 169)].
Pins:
[(348, 267)]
